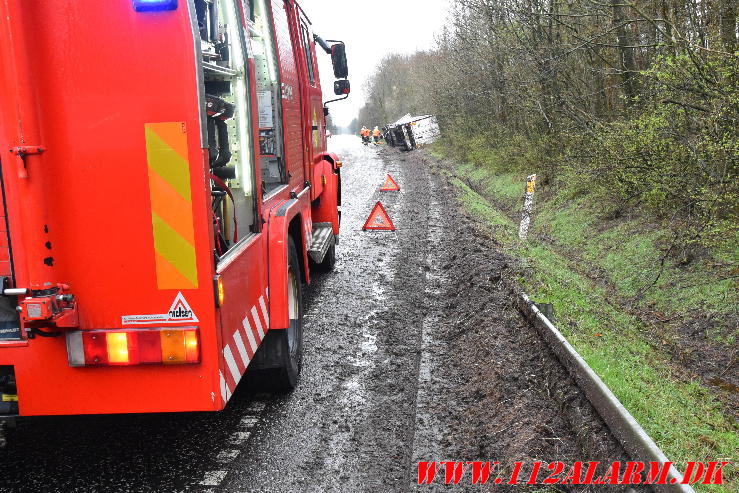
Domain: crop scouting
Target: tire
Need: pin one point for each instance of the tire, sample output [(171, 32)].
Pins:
[(281, 357)]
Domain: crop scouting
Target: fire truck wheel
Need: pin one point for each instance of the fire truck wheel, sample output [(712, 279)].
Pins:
[(286, 346)]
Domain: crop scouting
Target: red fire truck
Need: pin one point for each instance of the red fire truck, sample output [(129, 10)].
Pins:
[(166, 193)]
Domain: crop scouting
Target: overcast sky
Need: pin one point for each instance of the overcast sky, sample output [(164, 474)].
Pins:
[(371, 30)]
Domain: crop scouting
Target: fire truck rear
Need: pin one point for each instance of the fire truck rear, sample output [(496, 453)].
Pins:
[(166, 194)]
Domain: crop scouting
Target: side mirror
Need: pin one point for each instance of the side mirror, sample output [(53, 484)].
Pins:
[(342, 87), (338, 58)]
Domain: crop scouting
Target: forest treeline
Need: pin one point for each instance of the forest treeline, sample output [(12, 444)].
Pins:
[(635, 103)]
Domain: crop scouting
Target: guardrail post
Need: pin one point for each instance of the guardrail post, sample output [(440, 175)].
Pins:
[(528, 207)]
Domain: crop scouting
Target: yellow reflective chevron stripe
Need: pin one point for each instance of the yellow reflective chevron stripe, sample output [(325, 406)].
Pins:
[(171, 206), (164, 158), (175, 250)]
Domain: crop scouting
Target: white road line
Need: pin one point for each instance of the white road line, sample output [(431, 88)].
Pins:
[(256, 407), (231, 363), (241, 348), (249, 334), (247, 422), (239, 437), (226, 456), (263, 306), (213, 478), (256, 321)]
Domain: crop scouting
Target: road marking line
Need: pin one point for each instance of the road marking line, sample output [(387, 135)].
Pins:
[(248, 421), (239, 437), (256, 407), (257, 321), (213, 478), (225, 456)]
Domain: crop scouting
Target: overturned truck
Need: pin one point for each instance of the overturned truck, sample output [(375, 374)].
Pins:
[(411, 131)]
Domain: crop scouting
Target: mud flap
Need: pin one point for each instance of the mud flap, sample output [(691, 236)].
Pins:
[(271, 353)]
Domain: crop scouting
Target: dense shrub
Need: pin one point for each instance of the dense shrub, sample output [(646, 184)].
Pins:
[(634, 102)]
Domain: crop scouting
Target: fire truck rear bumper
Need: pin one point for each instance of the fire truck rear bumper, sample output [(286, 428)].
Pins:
[(45, 384)]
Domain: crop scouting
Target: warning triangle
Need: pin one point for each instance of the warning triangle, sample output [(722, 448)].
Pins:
[(379, 220), (390, 185)]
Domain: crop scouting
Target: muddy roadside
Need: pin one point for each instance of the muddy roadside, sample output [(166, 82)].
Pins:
[(488, 387), (688, 336), (424, 359)]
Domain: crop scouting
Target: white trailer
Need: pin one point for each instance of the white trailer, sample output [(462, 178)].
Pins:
[(411, 131)]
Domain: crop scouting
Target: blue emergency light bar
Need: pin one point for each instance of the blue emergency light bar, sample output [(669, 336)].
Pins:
[(154, 5)]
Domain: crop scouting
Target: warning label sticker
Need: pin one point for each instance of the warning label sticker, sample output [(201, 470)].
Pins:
[(178, 313)]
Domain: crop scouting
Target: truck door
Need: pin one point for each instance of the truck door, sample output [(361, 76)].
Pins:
[(232, 100), (278, 97), (274, 158), (316, 128)]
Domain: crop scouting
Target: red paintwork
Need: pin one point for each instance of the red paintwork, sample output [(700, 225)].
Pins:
[(85, 100)]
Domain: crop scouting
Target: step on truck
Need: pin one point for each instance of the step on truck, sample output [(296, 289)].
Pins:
[(166, 193)]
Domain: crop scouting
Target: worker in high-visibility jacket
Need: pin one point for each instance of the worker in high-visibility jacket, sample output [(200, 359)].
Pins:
[(365, 133), (376, 133)]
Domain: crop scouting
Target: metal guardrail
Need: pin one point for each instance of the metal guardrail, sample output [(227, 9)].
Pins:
[(621, 423)]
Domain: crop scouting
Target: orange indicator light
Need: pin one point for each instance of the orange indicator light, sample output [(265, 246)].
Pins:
[(173, 346)]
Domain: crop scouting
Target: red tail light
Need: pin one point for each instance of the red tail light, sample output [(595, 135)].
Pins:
[(133, 347), (95, 346)]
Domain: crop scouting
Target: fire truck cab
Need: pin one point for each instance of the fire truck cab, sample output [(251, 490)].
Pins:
[(166, 194)]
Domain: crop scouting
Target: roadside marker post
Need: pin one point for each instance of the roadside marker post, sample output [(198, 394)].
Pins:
[(528, 207), (390, 185), (379, 220)]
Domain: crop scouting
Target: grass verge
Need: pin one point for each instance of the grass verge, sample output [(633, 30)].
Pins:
[(588, 270)]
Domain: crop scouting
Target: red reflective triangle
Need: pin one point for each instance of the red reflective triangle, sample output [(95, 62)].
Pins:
[(390, 185), (378, 219)]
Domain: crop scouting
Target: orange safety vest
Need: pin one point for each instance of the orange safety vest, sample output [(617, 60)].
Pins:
[(376, 133)]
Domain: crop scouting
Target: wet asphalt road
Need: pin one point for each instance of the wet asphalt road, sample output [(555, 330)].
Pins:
[(382, 385)]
